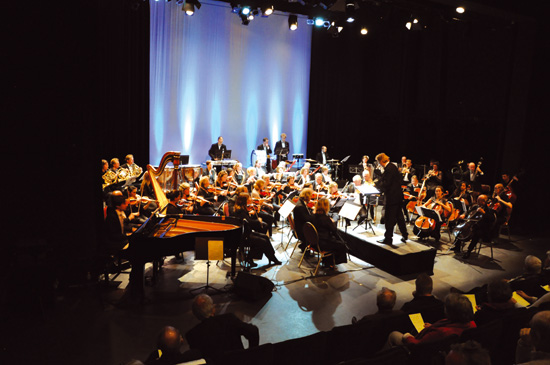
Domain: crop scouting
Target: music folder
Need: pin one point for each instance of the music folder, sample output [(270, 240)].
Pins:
[(430, 213)]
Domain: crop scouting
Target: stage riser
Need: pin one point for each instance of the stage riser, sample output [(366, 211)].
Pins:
[(388, 260)]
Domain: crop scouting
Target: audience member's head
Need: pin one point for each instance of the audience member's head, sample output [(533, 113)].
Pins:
[(424, 285), (468, 353), (134, 362), (533, 265), (385, 299), (540, 331), (203, 306), (499, 291), (169, 341), (458, 308)]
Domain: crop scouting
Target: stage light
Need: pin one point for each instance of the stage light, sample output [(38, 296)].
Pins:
[(234, 8), (364, 31), (310, 21), (292, 22), (460, 10), (350, 19), (267, 11), (189, 9), (245, 10), (319, 22), (413, 25)]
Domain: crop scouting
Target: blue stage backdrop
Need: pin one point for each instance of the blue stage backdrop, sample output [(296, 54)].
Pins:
[(212, 76)]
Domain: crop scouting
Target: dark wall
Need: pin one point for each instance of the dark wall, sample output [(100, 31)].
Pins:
[(454, 91)]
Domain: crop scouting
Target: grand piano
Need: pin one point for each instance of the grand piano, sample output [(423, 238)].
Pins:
[(164, 235)]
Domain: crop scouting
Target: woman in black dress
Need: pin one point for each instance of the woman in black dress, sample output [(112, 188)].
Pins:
[(329, 240)]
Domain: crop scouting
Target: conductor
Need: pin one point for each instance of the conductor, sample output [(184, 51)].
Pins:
[(391, 187)]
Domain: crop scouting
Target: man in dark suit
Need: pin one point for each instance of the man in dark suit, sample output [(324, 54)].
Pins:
[(265, 147), (282, 148), (216, 335), (431, 308), (322, 157), (217, 149), (473, 176), (391, 187)]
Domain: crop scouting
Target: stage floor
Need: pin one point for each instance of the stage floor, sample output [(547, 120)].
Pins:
[(81, 329)]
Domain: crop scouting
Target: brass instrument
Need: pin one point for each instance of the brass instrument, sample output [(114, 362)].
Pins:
[(110, 177), (123, 174), (135, 170)]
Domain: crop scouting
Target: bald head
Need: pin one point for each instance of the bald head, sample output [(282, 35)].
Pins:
[(540, 331), (203, 306), (169, 340), (385, 299), (482, 199)]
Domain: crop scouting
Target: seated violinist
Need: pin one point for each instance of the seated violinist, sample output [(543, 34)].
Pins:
[(440, 205), (302, 214), (251, 175), (174, 197), (210, 172), (481, 220), (222, 186), (319, 185), (259, 242), (329, 239), (187, 201), (141, 207), (206, 198), (263, 199), (326, 176)]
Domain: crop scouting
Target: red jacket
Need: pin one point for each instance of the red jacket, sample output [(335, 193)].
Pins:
[(439, 330)]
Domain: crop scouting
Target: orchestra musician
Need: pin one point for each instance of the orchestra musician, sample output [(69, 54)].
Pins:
[(259, 169), (134, 169), (319, 184), (482, 220), (326, 176), (222, 186), (104, 167), (391, 187), (440, 204), (187, 200), (146, 186), (251, 176), (509, 187), (303, 178), (282, 148), (402, 164), (239, 173), (210, 172), (366, 165), (265, 147), (322, 157), (500, 202), (408, 171), (206, 197), (302, 215), (473, 177), (117, 224), (139, 206), (461, 192), (217, 150), (174, 197), (412, 194), (260, 243), (434, 178), (266, 209), (329, 239)]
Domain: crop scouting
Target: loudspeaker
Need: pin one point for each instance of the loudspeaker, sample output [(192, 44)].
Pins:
[(252, 287)]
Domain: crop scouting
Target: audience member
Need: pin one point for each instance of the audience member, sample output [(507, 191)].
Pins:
[(168, 351), (534, 344), (217, 334), (385, 301), (467, 353), (459, 313), (431, 308), (528, 284), (500, 303)]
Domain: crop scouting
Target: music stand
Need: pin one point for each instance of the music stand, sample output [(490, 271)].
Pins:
[(283, 153), (429, 213), (184, 159), (284, 211), (226, 155), (208, 248), (349, 211)]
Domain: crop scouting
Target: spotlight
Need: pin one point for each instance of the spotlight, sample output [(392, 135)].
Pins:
[(319, 22), (267, 11), (292, 22), (350, 19), (245, 10), (460, 10), (413, 25), (189, 9), (364, 31)]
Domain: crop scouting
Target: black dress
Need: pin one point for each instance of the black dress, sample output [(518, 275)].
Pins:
[(328, 237)]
